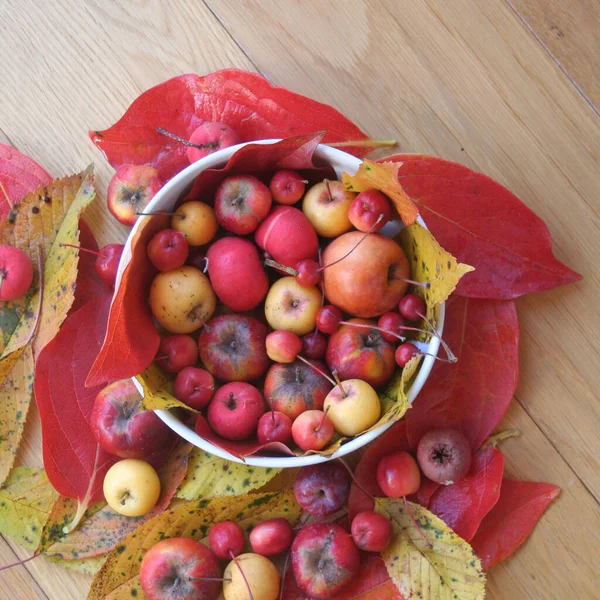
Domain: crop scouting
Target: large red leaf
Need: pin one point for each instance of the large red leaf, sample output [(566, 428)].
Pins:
[(509, 523), (131, 339), (464, 504), (247, 102), (483, 224), (473, 394), (74, 462), (19, 175)]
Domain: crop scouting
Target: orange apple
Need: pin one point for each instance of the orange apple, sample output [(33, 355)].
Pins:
[(197, 222)]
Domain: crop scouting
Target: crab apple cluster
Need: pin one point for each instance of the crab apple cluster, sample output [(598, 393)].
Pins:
[(280, 307)]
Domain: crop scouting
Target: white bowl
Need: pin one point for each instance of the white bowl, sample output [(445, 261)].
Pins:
[(165, 200)]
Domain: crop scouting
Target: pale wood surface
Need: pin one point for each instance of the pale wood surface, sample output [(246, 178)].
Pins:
[(480, 82)]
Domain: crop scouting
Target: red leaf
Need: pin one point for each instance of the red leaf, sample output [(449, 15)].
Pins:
[(510, 522), (74, 462), (131, 338), (247, 102), (484, 225), (426, 491), (19, 175), (473, 394), (463, 505), (372, 583)]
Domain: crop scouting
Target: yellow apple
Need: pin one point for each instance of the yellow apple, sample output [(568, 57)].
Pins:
[(326, 206), (197, 221), (182, 300), (291, 307), (353, 407), (131, 487), (262, 575)]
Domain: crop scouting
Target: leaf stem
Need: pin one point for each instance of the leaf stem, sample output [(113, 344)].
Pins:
[(40, 300), (416, 524)]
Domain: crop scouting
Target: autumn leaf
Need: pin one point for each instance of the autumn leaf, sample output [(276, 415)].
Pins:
[(87, 566), (247, 102), (158, 390), (26, 499), (119, 577), (509, 523), (483, 224), (209, 476), (19, 175), (445, 567), (383, 176)]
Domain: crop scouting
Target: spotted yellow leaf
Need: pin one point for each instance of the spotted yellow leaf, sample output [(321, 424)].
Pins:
[(158, 390)]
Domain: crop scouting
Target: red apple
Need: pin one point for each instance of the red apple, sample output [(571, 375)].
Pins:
[(121, 426), (180, 568), (324, 560), (210, 137), (283, 346), (274, 426), (287, 235), (314, 345), (241, 203), (167, 250), (312, 430), (130, 190), (232, 348), (236, 273), (235, 409), (366, 209), (287, 187), (295, 387), (322, 489), (107, 262), (16, 273), (371, 531), (177, 352), (194, 387), (357, 353), (271, 537), (370, 280)]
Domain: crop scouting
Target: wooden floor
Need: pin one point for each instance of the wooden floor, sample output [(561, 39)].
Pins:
[(508, 87)]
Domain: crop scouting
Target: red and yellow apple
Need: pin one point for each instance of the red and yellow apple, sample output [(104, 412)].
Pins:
[(326, 206)]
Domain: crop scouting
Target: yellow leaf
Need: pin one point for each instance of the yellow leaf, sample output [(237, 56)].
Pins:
[(26, 499), (88, 566), (15, 396), (448, 569), (383, 177), (119, 577), (158, 390), (209, 476)]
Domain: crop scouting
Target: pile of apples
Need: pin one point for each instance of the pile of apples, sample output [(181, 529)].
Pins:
[(263, 285)]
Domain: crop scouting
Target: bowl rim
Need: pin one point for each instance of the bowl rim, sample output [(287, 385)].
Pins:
[(173, 188)]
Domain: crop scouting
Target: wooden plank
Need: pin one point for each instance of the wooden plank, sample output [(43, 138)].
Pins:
[(571, 33), (16, 583)]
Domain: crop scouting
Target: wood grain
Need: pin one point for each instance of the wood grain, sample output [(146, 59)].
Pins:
[(467, 80)]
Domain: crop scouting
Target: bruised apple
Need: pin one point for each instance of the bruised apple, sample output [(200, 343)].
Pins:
[(182, 300), (371, 279)]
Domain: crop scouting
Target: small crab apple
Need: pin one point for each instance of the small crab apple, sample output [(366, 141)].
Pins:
[(226, 539), (391, 321), (271, 537), (322, 489), (241, 203), (412, 307), (398, 475), (371, 531), (210, 137), (314, 345), (287, 187), (167, 250), (197, 221), (235, 409), (312, 430), (404, 352), (16, 273), (274, 426), (328, 319), (444, 455), (366, 208), (194, 386), (236, 273), (353, 406), (309, 272), (182, 300), (324, 560), (283, 346), (130, 190), (107, 260), (251, 577), (326, 206), (176, 352), (180, 568), (121, 426)]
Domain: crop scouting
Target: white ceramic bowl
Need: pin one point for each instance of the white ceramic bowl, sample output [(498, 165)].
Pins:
[(165, 200)]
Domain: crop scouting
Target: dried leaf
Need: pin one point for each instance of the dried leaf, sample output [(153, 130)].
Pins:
[(158, 390), (119, 577), (383, 176), (26, 499), (447, 569), (209, 476), (498, 438)]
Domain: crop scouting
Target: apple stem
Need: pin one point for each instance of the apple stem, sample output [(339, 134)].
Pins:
[(451, 356), (237, 564), (328, 190), (339, 383), (319, 371), (363, 326), (209, 579), (273, 416), (283, 574), (362, 239), (205, 264), (322, 420), (305, 181), (40, 299), (269, 262), (416, 524), (160, 213), (354, 480), (422, 284), (163, 357), (185, 142), (19, 562), (63, 245)]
